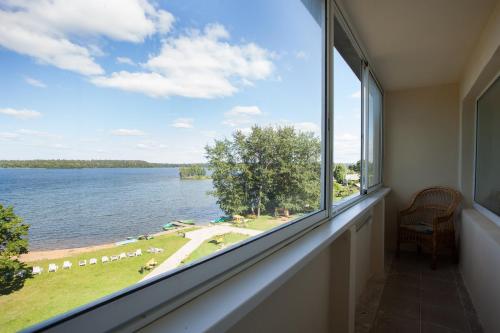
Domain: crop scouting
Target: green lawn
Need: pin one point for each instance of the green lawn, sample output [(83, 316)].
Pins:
[(50, 294), (265, 222), (209, 246)]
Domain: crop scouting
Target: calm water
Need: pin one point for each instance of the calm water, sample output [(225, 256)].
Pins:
[(80, 207)]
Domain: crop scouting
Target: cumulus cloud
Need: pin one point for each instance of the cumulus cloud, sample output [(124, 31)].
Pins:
[(301, 55), (346, 148), (40, 134), (127, 132), (183, 123), (241, 115), (21, 113), (307, 127), (356, 94), (35, 82), (197, 64), (51, 31), (8, 136), (125, 60), (150, 145)]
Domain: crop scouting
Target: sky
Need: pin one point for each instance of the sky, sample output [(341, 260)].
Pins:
[(158, 81)]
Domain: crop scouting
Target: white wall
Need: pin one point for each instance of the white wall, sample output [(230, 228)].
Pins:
[(480, 266), (420, 145)]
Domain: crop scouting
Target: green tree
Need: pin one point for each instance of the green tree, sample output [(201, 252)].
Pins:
[(266, 169), (339, 173), (13, 242), (192, 171), (356, 167)]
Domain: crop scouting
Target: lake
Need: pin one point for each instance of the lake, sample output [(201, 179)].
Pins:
[(81, 207)]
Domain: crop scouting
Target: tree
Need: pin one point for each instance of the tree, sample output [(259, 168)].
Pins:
[(356, 167), (192, 172), (266, 169), (13, 242), (339, 173)]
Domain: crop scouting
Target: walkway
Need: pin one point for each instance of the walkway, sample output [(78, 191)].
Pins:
[(197, 237)]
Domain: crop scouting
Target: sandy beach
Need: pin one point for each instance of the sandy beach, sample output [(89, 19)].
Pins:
[(63, 253)]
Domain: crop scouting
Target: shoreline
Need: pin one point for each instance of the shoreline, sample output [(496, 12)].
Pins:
[(63, 253)]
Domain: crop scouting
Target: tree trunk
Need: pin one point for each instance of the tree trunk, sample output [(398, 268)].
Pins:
[(259, 200)]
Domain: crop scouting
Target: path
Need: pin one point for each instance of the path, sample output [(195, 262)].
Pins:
[(197, 237)]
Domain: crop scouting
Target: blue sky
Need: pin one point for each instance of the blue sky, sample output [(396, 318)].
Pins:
[(158, 81)]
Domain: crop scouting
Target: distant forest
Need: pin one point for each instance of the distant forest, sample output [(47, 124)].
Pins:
[(81, 164)]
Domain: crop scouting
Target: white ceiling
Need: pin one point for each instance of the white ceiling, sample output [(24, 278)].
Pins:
[(416, 43)]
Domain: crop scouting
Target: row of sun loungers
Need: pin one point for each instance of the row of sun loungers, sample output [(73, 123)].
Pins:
[(93, 261)]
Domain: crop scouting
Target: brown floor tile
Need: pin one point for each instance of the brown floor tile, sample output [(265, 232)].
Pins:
[(447, 298), (453, 318), (432, 328), (438, 286), (396, 289), (399, 307), (395, 325)]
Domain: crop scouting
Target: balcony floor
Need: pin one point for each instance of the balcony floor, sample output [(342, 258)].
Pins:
[(414, 298)]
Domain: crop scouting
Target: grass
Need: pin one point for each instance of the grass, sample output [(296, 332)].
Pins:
[(210, 246), (265, 222), (50, 294)]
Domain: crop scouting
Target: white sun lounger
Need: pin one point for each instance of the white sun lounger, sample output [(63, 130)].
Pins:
[(131, 254), (138, 252), (37, 270), (82, 262), (114, 258), (67, 265), (53, 268), (104, 259), (93, 261), (123, 255)]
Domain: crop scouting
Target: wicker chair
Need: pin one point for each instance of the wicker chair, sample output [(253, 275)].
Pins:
[(429, 221)]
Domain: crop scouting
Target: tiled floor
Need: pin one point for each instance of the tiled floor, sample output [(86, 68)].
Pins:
[(414, 298)]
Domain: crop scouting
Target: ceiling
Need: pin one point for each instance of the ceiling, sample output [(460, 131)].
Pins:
[(417, 43)]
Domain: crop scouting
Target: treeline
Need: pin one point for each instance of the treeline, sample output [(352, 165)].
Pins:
[(193, 172), (81, 164), (267, 169)]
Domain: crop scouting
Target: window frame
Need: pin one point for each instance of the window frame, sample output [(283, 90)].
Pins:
[(366, 71), (139, 304), (476, 205)]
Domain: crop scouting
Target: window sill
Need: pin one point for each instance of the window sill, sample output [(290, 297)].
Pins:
[(244, 291)]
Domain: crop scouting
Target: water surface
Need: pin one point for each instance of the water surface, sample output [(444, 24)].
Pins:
[(81, 207)]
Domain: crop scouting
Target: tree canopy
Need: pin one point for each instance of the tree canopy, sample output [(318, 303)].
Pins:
[(266, 169), (13, 242), (192, 172)]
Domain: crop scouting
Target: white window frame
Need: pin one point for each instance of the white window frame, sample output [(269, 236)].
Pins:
[(366, 70), (480, 208), (142, 303)]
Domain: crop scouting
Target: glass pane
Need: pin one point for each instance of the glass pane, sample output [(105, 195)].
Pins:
[(374, 132), (346, 119), (139, 137), (487, 191)]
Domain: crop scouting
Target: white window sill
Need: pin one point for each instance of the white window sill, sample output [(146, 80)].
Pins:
[(243, 292)]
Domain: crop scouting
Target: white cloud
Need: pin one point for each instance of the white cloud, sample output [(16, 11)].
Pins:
[(241, 115), (183, 123), (21, 114), (307, 127), (8, 136), (127, 132), (52, 31), (356, 94), (301, 55), (35, 82), (197, 65), (125, 60), (346, 148), (150, 145), (39, 134)]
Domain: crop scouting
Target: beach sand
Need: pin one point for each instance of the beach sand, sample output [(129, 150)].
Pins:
[(63, 253)]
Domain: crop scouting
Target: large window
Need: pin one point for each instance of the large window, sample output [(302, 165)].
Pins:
[(149, 147), (487, 180), (140, 138)]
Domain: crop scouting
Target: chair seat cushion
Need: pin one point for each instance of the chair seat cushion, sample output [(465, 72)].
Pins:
[(419, 227)]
